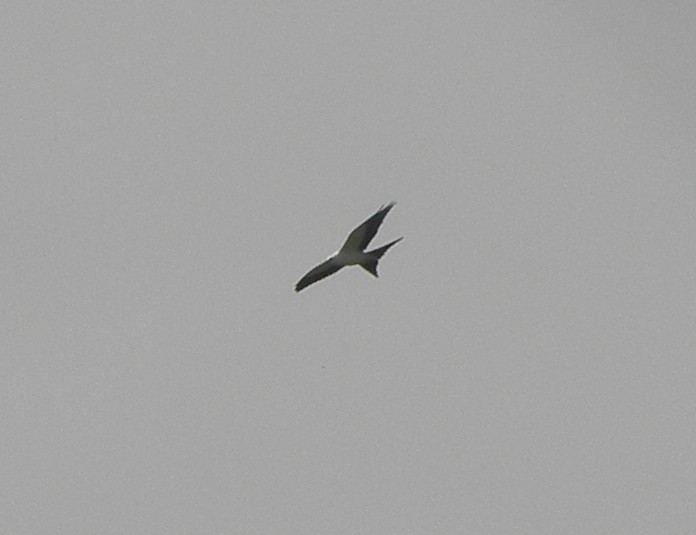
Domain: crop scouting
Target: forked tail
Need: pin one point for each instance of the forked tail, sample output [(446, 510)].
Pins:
[(371, 265)]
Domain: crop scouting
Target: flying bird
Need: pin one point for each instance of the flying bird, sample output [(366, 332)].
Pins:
[(353, 251)]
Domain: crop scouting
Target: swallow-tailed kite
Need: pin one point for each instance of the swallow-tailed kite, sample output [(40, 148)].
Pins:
[(353, 251)]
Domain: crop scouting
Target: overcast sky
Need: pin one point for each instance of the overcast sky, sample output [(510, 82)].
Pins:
[(524, 364)]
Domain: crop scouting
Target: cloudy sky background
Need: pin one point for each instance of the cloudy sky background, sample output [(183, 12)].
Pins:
[(524, 364)]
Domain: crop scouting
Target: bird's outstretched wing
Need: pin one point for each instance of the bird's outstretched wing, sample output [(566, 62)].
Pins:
[(316, 274), (363, 234)]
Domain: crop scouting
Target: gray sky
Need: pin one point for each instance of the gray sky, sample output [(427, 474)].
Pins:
[(524, 364)]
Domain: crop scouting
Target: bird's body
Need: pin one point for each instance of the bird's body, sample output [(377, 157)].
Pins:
[(349, 257), (353, 251)]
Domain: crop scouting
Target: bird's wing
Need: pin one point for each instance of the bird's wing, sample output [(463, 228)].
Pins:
[(363, 234), (316, 274)]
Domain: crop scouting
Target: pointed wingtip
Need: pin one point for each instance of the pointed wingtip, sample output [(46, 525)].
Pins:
[(386, 207)]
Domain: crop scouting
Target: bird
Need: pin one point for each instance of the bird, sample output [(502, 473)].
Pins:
[(353, 251)]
